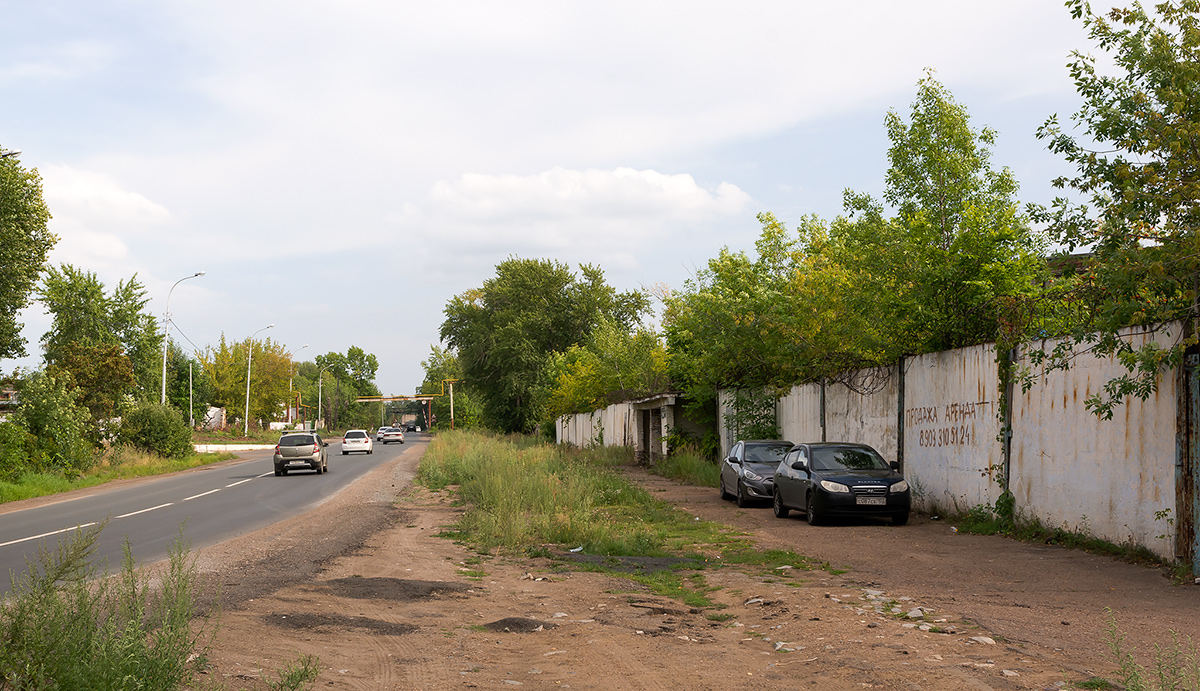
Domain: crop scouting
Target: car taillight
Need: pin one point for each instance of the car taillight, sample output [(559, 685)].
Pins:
[(277, 448), (316, 448)]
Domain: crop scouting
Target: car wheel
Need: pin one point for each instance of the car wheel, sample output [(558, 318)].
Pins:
[(318, 469), (781, 511), (900, 518), (811, 514), (725, 496), (278, 472), (345, 452), (742, 500), (283, 471)]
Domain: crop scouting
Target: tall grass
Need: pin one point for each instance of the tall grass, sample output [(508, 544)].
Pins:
[(60, 629), (113, 464), (690, 466), (520, 496), (1176, 666)]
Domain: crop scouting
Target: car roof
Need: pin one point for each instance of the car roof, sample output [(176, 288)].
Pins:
[(767, 442)]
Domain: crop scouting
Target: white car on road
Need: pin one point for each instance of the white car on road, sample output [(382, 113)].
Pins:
[(357, 440)]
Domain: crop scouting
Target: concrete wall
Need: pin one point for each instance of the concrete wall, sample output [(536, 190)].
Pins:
[(951, 423), (617, 423), (866, 410), (1107, 477), (800, 414)]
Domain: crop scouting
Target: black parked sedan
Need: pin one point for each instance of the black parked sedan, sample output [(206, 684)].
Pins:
[(748, 469), (840, 479)]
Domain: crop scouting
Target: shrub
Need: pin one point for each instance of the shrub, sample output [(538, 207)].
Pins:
[(52, 416), (157, 428), (16, 447)]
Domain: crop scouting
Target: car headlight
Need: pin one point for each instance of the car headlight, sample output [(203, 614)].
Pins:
[(835, 487), (752, 476), (901, 486)]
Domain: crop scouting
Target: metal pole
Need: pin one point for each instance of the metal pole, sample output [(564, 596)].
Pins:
[(451, 405), (166, 335), (191, 403), (249, 354)]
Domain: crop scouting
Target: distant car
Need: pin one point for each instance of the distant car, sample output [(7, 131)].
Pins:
[(301, 450), (748, 470), (357, 440), (410, 427), (387, 435), (840, 479), (379, 433)]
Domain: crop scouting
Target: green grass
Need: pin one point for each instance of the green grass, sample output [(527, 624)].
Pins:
[(1175, 665), (116, 464), (983, 520), (535, 499), (689, 466)]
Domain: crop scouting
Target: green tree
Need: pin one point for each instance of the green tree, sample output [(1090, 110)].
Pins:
[(187, 380), (25, 241), (505, 332), (441, 366), (86, 315), (50, 413), (103, 376), (613, 365), (1135, 143), (271, 368), (958, 241), (157, 428)]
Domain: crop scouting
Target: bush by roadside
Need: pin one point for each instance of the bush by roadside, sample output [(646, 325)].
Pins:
[(158, 429)]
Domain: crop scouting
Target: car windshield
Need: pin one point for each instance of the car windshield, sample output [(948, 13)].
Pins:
[(847, 458), (765, 453), (296, 440), (355, 435)]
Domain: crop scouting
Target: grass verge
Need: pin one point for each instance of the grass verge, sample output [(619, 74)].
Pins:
[(690, 466), (531, 498), (984, 520), (115, 464)]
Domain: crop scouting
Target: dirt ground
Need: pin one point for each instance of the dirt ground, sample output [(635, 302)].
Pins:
[(365, 584)]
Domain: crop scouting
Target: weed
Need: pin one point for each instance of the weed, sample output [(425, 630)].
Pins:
[(61, 628), (719, 616), (301, 674), (1176, 665)]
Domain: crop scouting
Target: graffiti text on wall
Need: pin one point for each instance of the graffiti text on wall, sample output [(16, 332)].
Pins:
[(952, 424)]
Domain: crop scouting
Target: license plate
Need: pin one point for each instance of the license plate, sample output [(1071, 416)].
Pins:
[(871, 501)]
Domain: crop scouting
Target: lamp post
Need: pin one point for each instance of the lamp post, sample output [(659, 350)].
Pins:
[(166, 334), (249, 353), (290, 378), (9, 154), (320, 382)]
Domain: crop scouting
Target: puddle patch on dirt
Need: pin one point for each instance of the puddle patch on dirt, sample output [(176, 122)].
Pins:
[(394, 589), (518, 625), (327, 622)]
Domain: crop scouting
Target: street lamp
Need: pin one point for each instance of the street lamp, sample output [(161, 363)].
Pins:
[(8, 154), (166, 333), (290, 378), (320, 383), (249, 353)]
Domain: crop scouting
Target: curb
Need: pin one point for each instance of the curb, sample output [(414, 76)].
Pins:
[(218, 448)]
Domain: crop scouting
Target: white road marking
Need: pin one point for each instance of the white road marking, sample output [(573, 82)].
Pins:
[(56, 532), (134, 513), (241, 481), (202, 494)]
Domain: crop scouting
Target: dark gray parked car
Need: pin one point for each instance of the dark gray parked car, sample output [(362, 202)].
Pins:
[(840, 479), (301, 451), (748, 469)]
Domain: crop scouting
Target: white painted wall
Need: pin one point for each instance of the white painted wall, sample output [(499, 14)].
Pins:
[(865, 418), (1107, 477), (618, 421), (800, 414), (951, 403)]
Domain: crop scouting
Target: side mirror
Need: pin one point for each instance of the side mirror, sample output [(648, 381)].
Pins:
[(800, 465), (895, 466), (324, 443)]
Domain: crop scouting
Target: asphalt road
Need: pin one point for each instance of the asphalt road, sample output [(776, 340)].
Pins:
[(205, 506)]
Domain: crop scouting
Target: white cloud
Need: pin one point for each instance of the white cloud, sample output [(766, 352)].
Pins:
[(609, 217), (96, 198)]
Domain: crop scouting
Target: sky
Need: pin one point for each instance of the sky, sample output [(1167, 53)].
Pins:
[(342, 168)]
